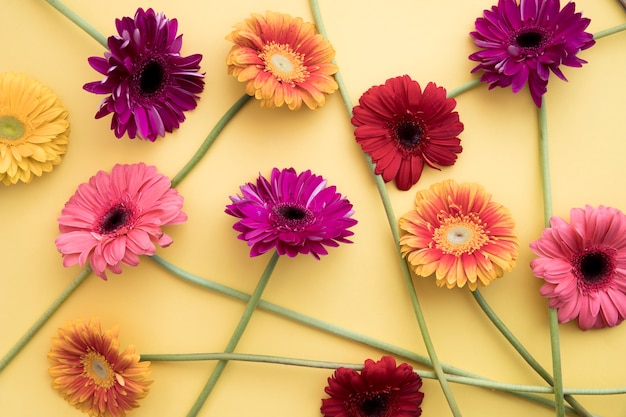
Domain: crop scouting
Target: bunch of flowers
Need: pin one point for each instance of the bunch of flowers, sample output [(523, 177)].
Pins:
[(456, 235)]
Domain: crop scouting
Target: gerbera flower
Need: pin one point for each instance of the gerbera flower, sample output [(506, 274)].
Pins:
[(118, 216), (381, 389), (33, 129), (91, 373), (294, 213), (523, 42), (583, 264), (402, 127), (282, 60), (149, 83), (458, 233)]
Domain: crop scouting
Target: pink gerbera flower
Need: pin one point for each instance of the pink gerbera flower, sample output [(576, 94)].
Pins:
[(402, 128), (381, 389), (149, 83), (294, 213), (523, 42), (583, 264), (118, 216)]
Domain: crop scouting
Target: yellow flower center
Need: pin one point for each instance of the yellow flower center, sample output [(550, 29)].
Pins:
[(11, 128), (284, 63), (96, 367), (460, 234)]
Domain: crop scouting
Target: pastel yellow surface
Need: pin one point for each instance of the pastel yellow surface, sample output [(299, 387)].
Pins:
[(356, 286)]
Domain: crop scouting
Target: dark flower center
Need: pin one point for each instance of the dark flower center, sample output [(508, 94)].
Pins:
[(530, 39), (409, 132), (370, 404), (151, 78), (117, 217), (291, 216), (594, 267)]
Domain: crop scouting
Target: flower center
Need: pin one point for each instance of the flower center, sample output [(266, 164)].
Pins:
[(284, 63), (11, 128), (528, 41), (409, 133), (594, 267), (369, 404), (98, 369), (119, 218), (291, 216), (459, 234), (150, 78)]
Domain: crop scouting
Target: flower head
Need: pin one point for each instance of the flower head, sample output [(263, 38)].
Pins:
[(583, 264), (381, 389), (294, 213), (115, 217), (458, 233), (523, 42), (402, 128), (33, 129), (282, 60), (149, 83), (90, 372)]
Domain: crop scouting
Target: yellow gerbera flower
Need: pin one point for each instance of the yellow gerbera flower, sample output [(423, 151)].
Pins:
[(459, 234), (33, 128), (282, 60), (91, 374)]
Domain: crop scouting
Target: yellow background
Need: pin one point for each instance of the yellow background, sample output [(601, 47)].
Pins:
[(356, 286)]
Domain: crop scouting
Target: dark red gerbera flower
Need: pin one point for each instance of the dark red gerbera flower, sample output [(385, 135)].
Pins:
[(524, 42), (402, 127), (381, 389)]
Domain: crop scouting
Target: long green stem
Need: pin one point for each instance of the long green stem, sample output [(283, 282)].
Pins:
[(471, 84), (406, 275), (80, 278), (544, 163), (79, 21), (524, 353), (213, 134), (251, 306), (332, 328), (610, 31)]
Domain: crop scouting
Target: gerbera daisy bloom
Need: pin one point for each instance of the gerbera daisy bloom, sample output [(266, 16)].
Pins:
[(282, 60), (91, 373), (583, 264), (33, 129), (458, 233), (402, 127), (115, 217), (149, 83), (294, 213), (381, 389), (523, 42)]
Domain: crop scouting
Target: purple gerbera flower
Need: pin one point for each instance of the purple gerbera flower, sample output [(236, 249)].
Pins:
[(148, 82), (524, 42), (294, 213)]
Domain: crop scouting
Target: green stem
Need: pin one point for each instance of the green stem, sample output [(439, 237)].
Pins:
[(547, 213), (213, 134), (610, 31), (44, 318), (382, 190), (79, 21), (525, 354), (332, 328), (251, 306), (464, 87)]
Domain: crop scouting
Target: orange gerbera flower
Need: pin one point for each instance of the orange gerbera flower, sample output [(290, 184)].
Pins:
[(282, 60), (92, 375), (459, 234)]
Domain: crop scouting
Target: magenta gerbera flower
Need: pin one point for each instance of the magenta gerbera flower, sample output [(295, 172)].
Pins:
[(583, 264), (115, 217), (402, 128), (149, 83), (294, 213), (523, 42), (381, 389)]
